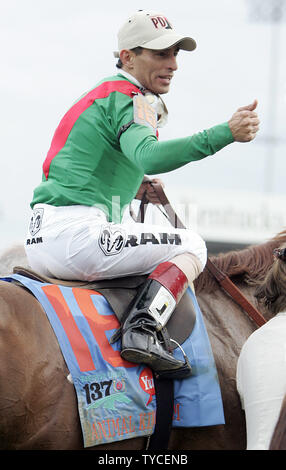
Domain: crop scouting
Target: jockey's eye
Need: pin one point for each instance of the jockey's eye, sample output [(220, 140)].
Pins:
[(166, 53), (161, 53)]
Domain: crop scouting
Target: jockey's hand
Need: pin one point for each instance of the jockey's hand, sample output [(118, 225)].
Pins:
[(150, 192), (244, 124)]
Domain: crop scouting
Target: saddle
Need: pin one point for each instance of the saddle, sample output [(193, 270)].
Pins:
[(120, 293)]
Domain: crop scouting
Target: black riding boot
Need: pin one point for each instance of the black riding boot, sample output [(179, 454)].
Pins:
[(142, 338)]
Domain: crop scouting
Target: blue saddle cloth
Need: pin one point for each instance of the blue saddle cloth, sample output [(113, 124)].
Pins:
[(116, 399)]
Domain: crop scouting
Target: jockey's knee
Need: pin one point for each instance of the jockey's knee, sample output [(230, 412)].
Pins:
[(189, 264), (193, 260), (197, 246)]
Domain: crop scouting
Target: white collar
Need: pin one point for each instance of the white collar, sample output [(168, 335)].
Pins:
[(131, 78), (157, 103)]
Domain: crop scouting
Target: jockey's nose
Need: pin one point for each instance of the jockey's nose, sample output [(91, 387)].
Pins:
[(173, 65)]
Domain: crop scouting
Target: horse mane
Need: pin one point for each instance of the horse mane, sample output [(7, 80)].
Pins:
[(248, 265)]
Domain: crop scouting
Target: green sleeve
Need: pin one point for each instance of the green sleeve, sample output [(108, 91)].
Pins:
[(141, 146)]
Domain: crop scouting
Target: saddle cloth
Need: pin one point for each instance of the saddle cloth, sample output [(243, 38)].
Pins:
[(116, 398), (120, 293)]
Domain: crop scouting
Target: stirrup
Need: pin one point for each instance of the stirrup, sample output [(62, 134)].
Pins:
[(177, 374)]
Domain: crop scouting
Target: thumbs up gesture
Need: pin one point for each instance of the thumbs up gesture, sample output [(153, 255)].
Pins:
[(244, 124)]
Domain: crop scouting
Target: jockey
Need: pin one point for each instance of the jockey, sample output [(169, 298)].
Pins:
[(100, 154)]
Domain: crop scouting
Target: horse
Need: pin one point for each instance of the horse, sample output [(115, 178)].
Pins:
[(38, 409)]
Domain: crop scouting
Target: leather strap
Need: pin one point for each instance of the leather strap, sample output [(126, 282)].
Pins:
[(221, 277), (164, 389), (142, 208), (235, 293)]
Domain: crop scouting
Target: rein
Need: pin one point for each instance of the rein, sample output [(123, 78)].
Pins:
[(220, 276)]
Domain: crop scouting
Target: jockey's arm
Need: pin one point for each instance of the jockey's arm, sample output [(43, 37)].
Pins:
[(142, 147), (140, 144)]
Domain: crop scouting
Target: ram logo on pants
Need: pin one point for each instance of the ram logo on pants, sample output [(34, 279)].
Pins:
[(112, 241)]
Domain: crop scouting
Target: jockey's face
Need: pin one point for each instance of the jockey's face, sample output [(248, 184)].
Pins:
[(153, 69)]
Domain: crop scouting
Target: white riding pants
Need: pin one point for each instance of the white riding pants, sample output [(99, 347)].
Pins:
[(77, 243), (261, 380)]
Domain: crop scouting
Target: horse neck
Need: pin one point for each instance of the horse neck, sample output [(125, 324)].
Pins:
[(244, 267)]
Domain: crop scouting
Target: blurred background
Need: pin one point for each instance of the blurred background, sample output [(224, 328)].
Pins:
[(52, 52)]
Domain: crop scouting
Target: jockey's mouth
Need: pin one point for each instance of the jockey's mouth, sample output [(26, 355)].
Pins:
[(166, 78)]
